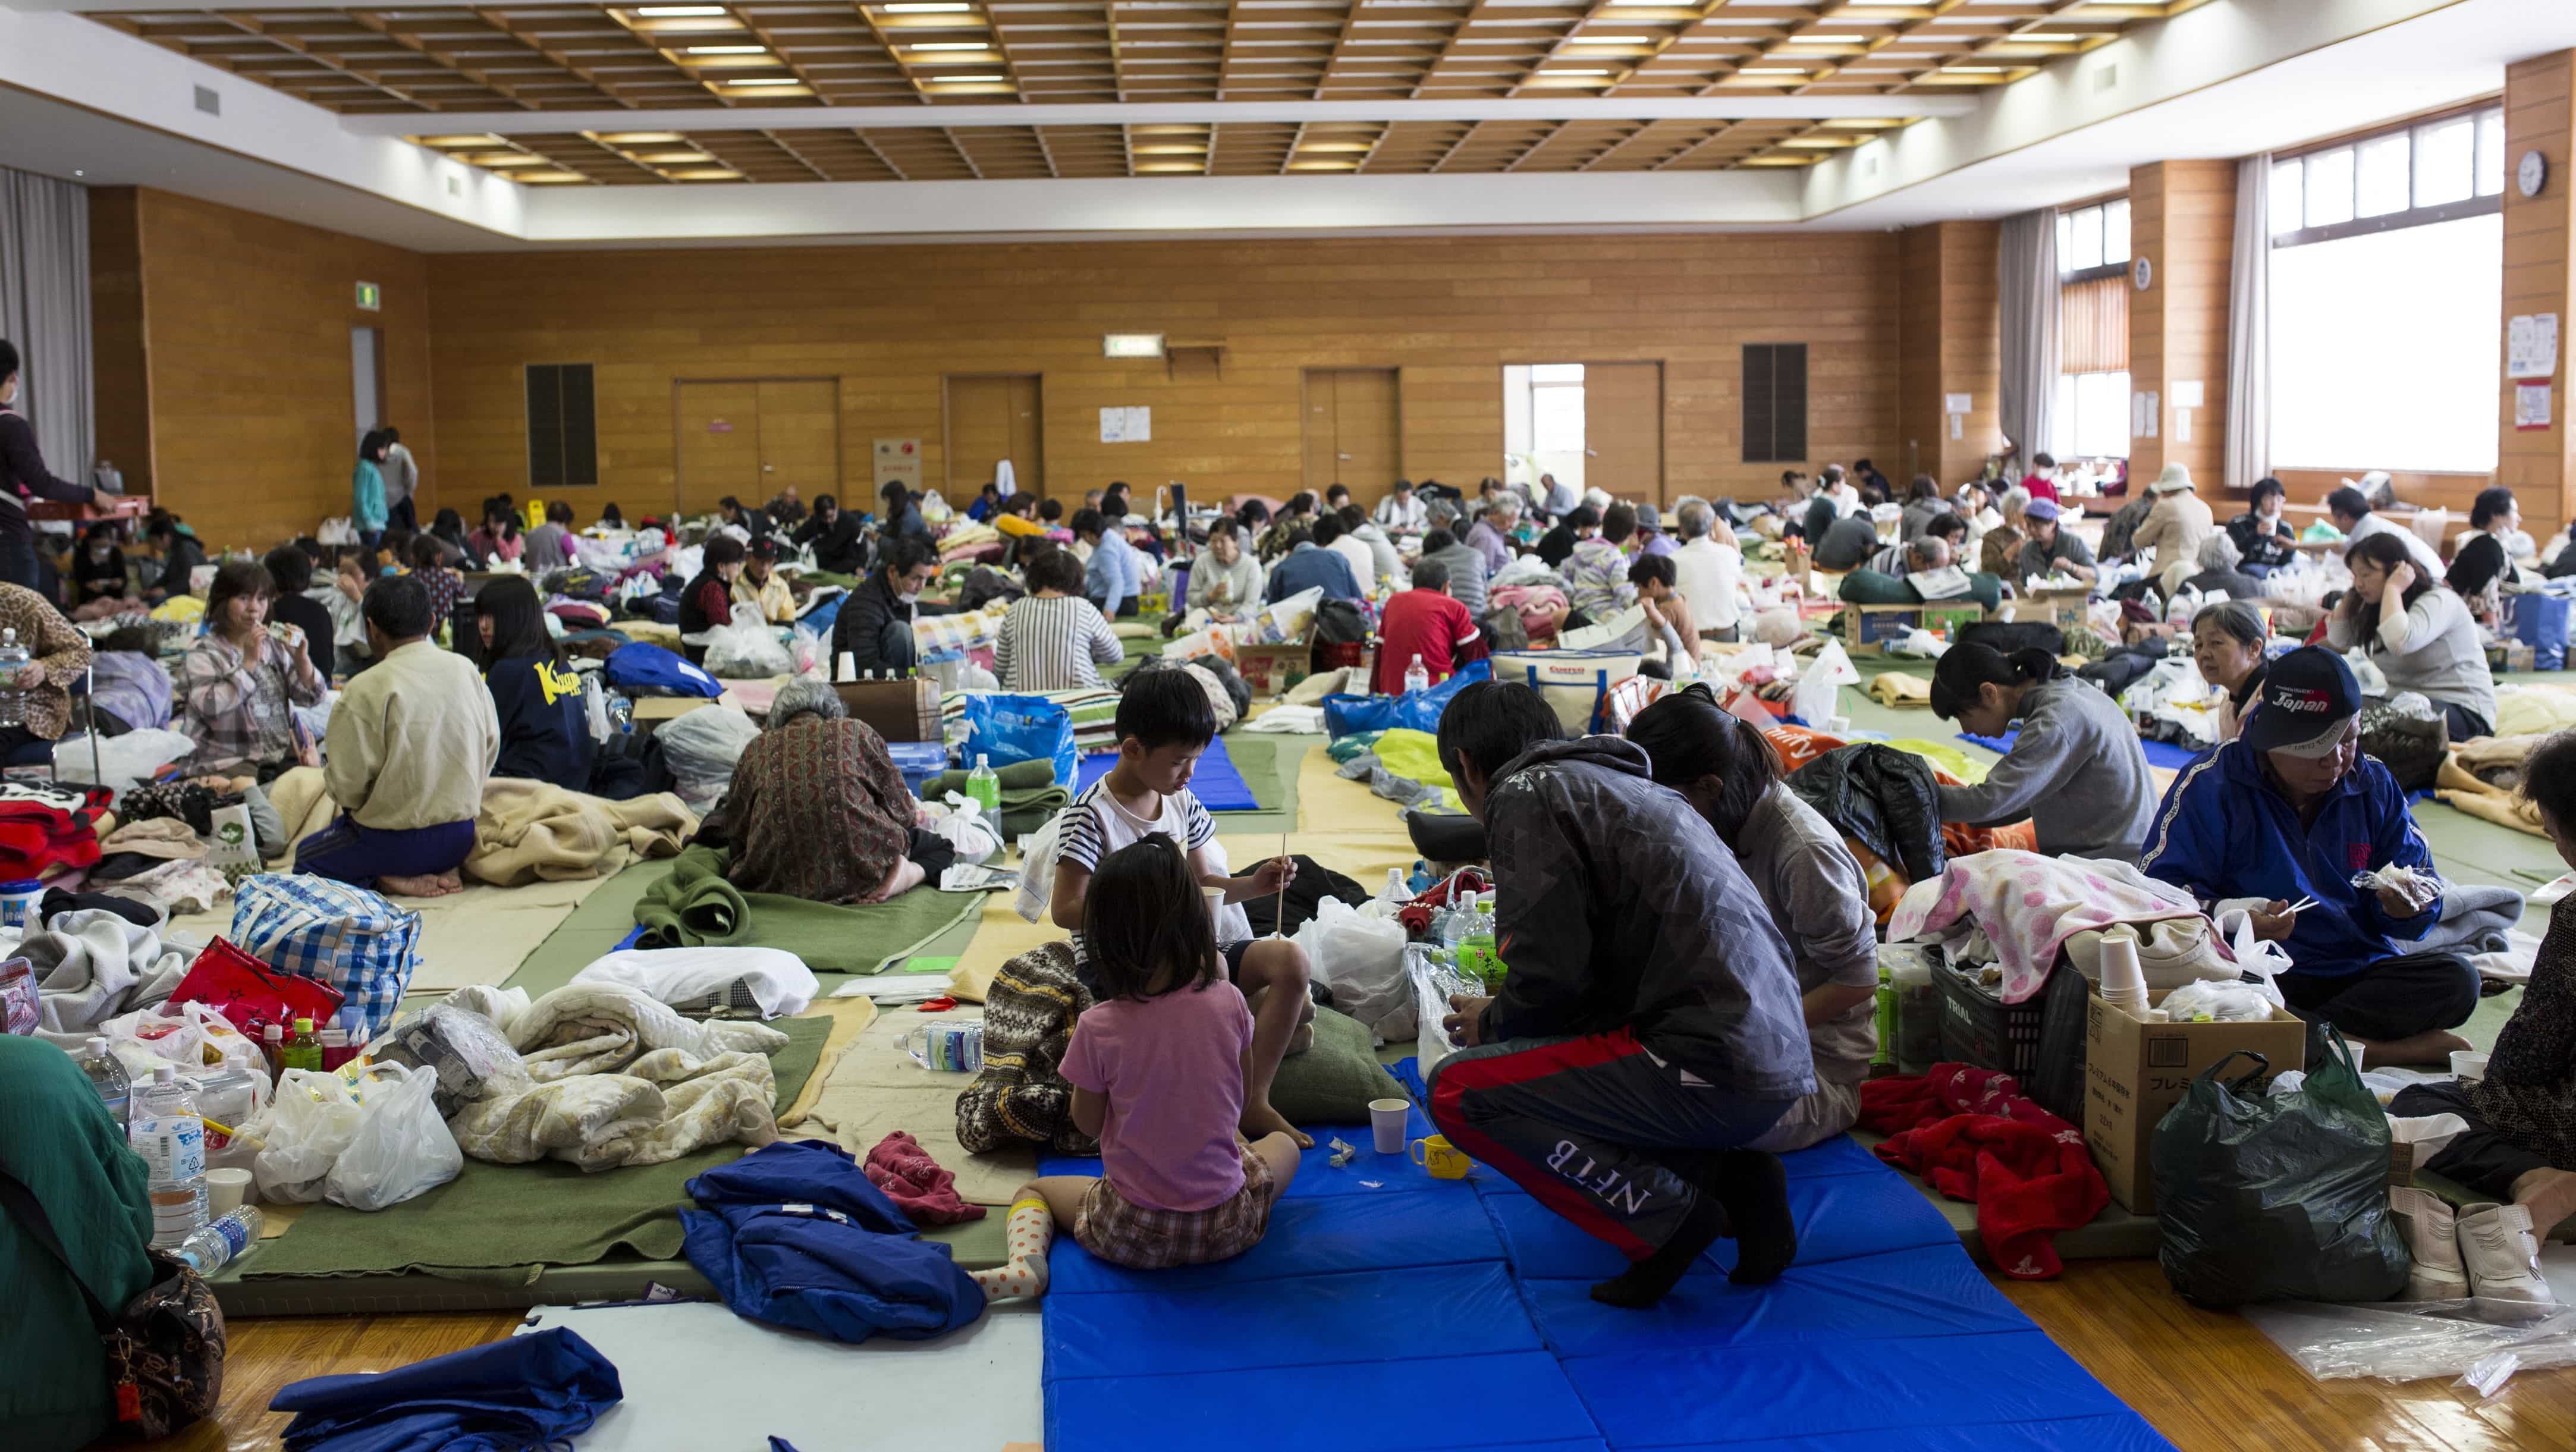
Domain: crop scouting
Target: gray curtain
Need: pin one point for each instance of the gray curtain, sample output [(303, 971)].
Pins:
[(44, 309), (2027, 400), (2249, 327)]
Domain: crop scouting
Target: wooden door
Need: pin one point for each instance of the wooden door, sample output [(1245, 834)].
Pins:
[(719, 444), (1623, 429), (800, 438), (992, 418), (1353, 431)]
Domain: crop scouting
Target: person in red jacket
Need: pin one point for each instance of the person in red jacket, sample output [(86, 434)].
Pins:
[(1425, 621)]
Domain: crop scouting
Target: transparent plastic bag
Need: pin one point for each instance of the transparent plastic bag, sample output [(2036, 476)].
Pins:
[(303, 1130), (1362, 958), (2411, 1340), (1432, 983), (402, 1148), (746, 650)]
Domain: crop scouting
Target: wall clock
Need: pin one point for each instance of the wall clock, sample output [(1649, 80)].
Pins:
[(2142, 272), (2531, 173)]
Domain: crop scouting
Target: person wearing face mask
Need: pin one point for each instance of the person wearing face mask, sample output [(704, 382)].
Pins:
[(243, 678), (2291, 810), (23, 477), (708, 601), (874, 630), (98, 567)]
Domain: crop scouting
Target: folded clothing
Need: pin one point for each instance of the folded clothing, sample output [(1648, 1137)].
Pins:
[(43, 827), (915, 1183)]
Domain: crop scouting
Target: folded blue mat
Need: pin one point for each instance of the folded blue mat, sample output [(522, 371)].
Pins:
[(2159, 753), (1217, 785), (1455, 1314)]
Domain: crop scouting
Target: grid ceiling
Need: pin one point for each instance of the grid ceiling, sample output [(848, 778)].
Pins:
[(754, 54)]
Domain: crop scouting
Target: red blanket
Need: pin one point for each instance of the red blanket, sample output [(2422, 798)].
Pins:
[(1974, 1137)]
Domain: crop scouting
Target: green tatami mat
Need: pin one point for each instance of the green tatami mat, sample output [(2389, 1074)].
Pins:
[(1256, 760), (596, 926), (519, 1216), (694, 906)]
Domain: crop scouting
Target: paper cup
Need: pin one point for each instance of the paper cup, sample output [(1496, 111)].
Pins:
[(225, 1191), (1386, 1122), (2121, 975), (2469, 1064)]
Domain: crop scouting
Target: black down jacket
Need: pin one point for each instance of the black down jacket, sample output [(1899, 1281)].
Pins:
[(1883, 798)]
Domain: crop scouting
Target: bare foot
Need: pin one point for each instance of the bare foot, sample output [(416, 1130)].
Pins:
[(1261, 1119), (451, 881), (2434, 1047), (427, 886), (2550, 1195), (906, 876)]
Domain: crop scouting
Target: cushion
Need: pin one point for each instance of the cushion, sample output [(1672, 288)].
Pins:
[(1333, 1082)]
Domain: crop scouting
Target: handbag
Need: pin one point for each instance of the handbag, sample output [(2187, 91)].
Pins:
[(165, 1353), (252, 994)]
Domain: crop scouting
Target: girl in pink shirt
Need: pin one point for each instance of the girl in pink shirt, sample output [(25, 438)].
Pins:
[(1157, 1068)]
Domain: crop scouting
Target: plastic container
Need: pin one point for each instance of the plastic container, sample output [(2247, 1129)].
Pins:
[(218, 1242), (336, 1049), (1417, 677), (272, 1047), (170, 1136), (18, 900), (1982, 1031), (14, 660), (229, 1097), (1917, 1030), (107, 1075), (984, 788), (303, 1049), (2124, 982)]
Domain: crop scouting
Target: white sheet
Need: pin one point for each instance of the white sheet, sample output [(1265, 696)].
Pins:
[(780, 982)]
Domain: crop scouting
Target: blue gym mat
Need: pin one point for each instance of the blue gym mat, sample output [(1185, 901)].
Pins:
[(2159, 753), (1217, 785), (1416, 1315)]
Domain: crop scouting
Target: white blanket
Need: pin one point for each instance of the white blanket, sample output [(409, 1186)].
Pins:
[(696, 979), (93, 966)]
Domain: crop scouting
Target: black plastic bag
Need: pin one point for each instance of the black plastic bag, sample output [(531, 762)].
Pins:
[(2279, 1197)]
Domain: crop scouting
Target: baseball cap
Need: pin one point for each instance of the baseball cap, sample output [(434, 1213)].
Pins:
[(2308, 704), (764, 548), (2041, 509)]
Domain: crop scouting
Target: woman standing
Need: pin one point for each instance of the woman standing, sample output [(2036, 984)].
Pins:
[(817, 809), (2418, 633), (367, 490), (2076, 769), (543, 705), (245, 677), (1053, 639), (23, 476), (2227, 641)]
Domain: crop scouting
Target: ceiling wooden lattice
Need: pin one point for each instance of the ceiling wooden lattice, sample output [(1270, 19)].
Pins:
[(744, 56)]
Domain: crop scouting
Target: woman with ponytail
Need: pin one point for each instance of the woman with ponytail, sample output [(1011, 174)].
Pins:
[(2076, 770), (1809, 881)]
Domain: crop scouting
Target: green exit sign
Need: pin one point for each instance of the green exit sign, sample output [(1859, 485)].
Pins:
[(370, 297)]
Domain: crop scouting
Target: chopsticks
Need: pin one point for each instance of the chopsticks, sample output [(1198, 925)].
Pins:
[(2300, 906)]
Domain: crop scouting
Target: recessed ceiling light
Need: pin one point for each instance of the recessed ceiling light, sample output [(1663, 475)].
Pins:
[(2041, 37), (548, 178), (1974, 70), (1614, 40), (1174, 166), (943, 7), (765, 81), (479, 138), (508, 159), (707, 173), (949, 45), (76, 171), (964, 80), (1771, 71), (678, 12), (1828, 40), (728, 50), (637, 138), (666, 158), (1573, 71)]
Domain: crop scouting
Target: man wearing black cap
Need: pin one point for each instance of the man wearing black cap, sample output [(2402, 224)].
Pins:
[(2291, 809), (760, 590)]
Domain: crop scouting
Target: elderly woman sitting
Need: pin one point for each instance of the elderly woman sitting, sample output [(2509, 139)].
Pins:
[(819, 811), (2215, 570)]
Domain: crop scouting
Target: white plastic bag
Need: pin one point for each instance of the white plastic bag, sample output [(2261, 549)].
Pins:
[(1362, 958), (1819, 690), (401, 1149), (963, 827), (702, 748), (746, 650), (305, 1127), (123, 761)]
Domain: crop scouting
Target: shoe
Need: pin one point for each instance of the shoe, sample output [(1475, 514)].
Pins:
[(2502, 1255), (2432, 1238)]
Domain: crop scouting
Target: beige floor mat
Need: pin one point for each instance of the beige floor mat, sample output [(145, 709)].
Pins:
[(875, 1089), (480, 935)]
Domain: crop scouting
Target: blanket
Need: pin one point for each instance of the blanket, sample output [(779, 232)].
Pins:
[(2477, 918), (526, 832), (696, 907), (1030, 794), (1974, 1137), (2029, 905), (2459, 784), (93, 966)]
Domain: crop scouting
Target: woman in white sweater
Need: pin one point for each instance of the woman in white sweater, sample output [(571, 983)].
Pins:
[(2418, 633)]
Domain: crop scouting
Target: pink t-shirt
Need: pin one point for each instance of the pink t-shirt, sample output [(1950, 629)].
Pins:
[(1172, 1070)]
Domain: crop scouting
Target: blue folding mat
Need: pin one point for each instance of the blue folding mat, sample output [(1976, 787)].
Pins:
[(1217, 785), (2159, 753), (1416, 1315)]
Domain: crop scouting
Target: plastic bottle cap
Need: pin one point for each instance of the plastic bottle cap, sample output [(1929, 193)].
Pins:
[(164, 1074), (274, 1033), (97, 1046), (304, 1025)]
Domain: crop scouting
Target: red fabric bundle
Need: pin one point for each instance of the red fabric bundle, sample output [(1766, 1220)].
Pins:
[(915, 1182), (1974, 1137), (44, 826)]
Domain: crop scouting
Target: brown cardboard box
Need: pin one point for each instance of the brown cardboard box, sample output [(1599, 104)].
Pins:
[(2134, 1071), (1271, 669), (901, 710)]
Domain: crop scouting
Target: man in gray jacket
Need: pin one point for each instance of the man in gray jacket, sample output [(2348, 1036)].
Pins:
[(1649, 1025)]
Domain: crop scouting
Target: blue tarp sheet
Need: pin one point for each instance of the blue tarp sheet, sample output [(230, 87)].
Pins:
[(1423, 1314), (2159, 753)]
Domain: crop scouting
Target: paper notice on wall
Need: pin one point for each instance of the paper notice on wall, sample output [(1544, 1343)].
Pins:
[(2138, 415), (1958, 426), (2531, 406), (2182, 425), (1958, 403), (2531, 346), (1126, 425), (1140, 425)]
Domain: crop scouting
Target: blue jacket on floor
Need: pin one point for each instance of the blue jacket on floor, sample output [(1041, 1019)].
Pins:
[(522, 1391), (2224, 831), (794, 1235)]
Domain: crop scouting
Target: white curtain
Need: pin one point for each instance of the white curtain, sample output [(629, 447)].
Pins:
[(44, 309), (2249, 327), (2027, 400)]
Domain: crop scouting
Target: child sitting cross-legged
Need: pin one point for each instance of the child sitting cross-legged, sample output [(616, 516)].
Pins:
[(1159, 1068)]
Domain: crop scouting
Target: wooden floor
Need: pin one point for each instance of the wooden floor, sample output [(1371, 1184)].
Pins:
[(2207, 1380)]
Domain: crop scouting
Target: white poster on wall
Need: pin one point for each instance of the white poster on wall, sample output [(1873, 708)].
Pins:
[(2531, 346), (1126, 425), (1140, 425), (2531, 406)]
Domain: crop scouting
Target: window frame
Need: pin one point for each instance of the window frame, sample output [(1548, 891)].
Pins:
[(2066, 216), (1772, 356), (558, 374), (2475, 205)]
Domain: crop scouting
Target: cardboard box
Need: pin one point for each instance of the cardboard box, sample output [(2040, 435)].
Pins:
[(902, 710), (2134, 1071), (1272, 669), (1869, 629)]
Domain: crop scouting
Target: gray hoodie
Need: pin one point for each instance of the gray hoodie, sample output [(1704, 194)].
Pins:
[(2076, 771), (1619, 907)]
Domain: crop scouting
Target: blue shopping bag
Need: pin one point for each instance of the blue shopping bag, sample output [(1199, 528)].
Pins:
[(2540, 621), (1006, 729)]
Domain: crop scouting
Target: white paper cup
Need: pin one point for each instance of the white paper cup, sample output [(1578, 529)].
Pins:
[(2121, 975), (2469, 1064), (226, 1190), (1386, 1122)]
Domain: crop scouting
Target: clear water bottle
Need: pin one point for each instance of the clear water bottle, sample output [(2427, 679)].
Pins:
[(222, 1240), (14, 660), (107, 1075), (1416, 677), (167, 1131), (984, 788), (1396, 894)]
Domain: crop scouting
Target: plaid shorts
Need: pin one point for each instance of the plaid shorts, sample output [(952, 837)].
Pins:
[(1124, 1233)]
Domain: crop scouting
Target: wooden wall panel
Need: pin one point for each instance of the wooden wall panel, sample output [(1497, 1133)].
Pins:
[(2182, 219), (1950, 341), (1623, 427), (2539, 465), (246, 337), (119, 371), (1446, 313)]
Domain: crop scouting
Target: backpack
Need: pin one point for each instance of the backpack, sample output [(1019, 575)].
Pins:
[(649, 670)]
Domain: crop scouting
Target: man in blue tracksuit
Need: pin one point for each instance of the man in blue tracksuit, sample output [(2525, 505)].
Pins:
[(2291, 809)]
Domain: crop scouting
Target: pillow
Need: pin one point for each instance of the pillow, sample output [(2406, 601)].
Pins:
[(1333, 1082)]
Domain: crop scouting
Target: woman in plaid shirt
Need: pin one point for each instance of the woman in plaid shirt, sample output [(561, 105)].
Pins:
[(245, 676)]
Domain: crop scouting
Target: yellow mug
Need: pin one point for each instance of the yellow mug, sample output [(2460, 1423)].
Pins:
[(1444, 1160)]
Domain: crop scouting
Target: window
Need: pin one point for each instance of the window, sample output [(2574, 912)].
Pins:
[(2093, 241), (2093, 332), (1775, 403), (1543, 410), (563, 443), (2092, 415), (2387, 271)]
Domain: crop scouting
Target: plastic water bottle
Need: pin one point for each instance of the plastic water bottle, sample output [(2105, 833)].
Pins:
[(221, 1240), (107, 1075), (984, 788), (1396, 895), (14, 660), (1416, 678), (166, 1130)]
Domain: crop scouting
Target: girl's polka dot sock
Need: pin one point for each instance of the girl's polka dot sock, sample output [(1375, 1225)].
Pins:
[(1027, 1237)]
